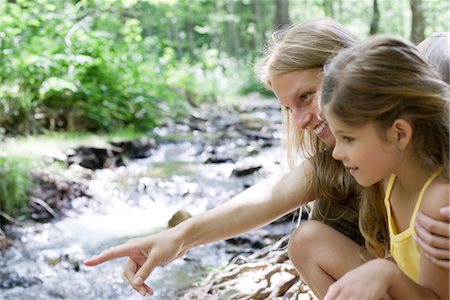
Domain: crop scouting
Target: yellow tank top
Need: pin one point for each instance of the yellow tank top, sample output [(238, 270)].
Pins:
[(404, 249)]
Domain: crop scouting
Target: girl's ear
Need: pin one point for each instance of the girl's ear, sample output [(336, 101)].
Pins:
[(402, 133)]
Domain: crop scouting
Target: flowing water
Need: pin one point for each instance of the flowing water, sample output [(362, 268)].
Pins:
[(45, 261)]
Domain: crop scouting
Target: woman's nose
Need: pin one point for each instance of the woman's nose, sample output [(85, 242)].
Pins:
[(302, 119)]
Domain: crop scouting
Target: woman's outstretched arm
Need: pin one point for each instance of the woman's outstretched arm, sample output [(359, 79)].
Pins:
[(255, 207)]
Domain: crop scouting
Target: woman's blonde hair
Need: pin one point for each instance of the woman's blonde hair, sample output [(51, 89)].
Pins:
[(436, 50), (303, 47), (380, 81)]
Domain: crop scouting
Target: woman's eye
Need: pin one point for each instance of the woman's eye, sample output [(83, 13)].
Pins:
[(348, 139), (305, 97)]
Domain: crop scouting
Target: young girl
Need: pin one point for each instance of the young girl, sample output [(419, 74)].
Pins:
[(389, 113)]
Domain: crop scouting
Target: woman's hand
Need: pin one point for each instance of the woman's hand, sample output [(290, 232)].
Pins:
[(433, 237), (144, 255), (368, 281)]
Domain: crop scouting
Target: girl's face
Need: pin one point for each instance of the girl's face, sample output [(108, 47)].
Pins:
[(298, 92), (367, 157)]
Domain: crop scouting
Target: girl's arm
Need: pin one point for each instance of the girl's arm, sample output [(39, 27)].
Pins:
[(381, 278), (432, 276), (433, 279), (254, 207), (433, 237)]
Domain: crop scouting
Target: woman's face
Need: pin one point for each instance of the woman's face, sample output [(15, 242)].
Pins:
[(298, 92)]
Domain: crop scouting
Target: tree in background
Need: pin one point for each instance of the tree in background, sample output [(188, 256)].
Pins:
[(417, 22), (281, 13), (95, 65), (375, 18)]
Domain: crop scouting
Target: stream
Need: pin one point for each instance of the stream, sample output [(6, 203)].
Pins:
[(45, 261)]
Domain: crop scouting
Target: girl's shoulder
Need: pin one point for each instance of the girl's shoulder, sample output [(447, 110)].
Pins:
[(436, 197)]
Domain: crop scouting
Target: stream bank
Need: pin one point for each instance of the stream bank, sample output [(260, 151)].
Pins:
[(192, 165)]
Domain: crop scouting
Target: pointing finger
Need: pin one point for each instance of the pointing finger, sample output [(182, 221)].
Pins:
[(109, 254)]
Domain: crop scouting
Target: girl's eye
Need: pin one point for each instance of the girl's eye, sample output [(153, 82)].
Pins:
[(348, 139)]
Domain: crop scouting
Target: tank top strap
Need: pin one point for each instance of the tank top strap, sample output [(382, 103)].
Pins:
[(387, 204), (389, 189), (422, 192)]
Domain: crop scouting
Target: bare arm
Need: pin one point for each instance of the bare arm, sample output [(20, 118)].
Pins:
[(253, 208), (433, 279), (381, 278), (433, 237), (432, 276), (377, 279)]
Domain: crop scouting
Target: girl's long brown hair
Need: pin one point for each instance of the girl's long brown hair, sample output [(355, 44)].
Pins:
[(380, 81)]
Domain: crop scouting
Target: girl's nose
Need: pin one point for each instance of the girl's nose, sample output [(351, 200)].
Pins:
[(337, 153)]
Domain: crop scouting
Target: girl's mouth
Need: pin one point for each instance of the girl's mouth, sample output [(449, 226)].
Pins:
[(352, 170)]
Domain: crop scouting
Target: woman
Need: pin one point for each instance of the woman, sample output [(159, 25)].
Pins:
[(293, 70)]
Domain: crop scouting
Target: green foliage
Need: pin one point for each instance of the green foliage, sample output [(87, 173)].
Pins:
[(15, 184), (253, 84), (96, 65)]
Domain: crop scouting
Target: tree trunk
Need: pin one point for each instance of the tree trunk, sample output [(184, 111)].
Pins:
[(232, 30), (418, 23), (259, 21), (281, 13), (340, 10), (173, 30), (190, 38), (375, 18), (328, 8)]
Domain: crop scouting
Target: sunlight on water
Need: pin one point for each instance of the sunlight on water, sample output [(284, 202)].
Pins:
[(132, 201), (119, 221)]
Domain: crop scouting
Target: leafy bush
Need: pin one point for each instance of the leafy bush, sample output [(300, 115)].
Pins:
[(15, 184)]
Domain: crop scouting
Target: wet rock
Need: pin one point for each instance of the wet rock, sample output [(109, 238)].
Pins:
[(11, 280), (5, 243), (95, 158), (70, 258), (218, 160), (78, 171), (246, 170), (139, 148), (52, 194), (246, 241), (179, 217)]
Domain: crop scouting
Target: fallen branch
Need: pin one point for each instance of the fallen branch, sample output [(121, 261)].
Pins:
[(10, 219), (44, 205)]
